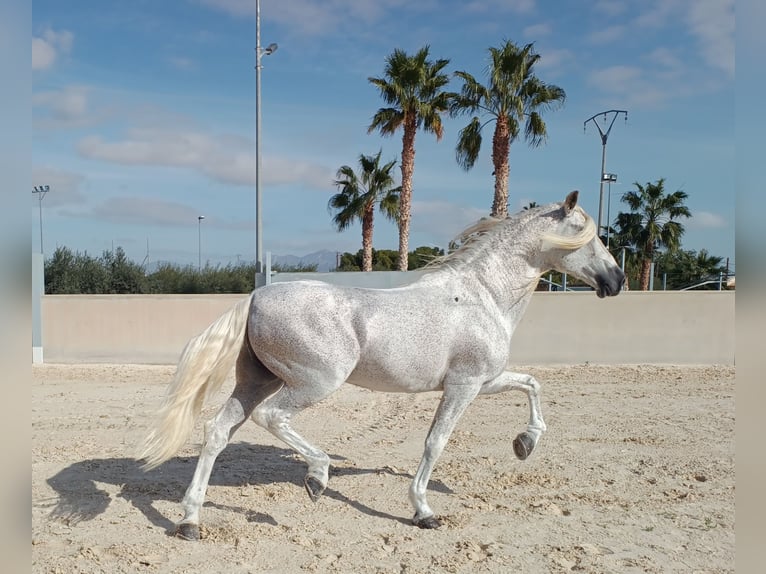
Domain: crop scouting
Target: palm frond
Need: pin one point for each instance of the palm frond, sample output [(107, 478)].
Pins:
[(469, 144), (387, 121)]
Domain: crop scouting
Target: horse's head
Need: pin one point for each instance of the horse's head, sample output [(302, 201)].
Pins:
[(573, 247)]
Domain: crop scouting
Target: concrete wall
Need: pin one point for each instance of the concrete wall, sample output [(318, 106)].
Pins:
[(126, 328), (668, 327)]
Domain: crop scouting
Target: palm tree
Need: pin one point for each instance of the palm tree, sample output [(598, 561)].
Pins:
[(374, 185), (412, 88), (514, 98), (651, 225), (531, 205)]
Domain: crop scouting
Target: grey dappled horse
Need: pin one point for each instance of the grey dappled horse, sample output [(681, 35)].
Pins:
[(449, 331)]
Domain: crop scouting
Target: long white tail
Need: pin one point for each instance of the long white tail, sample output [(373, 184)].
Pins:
[(205, 363)]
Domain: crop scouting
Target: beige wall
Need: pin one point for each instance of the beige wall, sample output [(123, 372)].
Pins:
[(125, 328), (558, 328)]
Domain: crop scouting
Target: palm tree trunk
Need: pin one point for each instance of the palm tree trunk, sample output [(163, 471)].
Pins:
[(501, 145), (405, 197), (367, 224), (646, 269)]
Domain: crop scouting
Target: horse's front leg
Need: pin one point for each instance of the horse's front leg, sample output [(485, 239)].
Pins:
[(452, 405), (525, 442)]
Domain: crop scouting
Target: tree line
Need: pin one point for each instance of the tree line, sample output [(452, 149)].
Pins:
[(70, 272)]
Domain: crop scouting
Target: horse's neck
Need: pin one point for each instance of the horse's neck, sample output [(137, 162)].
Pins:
[(510, 280), (504, 275)]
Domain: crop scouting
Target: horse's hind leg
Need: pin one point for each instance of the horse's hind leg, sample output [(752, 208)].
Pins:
[(254, 384), (525, 442), (274, 415)]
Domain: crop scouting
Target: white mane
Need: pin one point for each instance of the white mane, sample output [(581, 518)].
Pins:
[(477, 234), (575, 241)]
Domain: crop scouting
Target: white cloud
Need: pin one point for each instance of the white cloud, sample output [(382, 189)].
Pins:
[(69, 103), (225, 158), (284, 170), (630, 86), (712, 23), (616, 76), (307, 16), (136, 210), (609, 7), (606, 34), (181, 63), (145, 211), (443, 220), (43, 54), (657, 14), (670, 72), (554, 60), (666, 58), (46, 48), (495, 6), (706, 220)]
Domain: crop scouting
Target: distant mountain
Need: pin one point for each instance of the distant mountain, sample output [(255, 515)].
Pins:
[(325, 260)]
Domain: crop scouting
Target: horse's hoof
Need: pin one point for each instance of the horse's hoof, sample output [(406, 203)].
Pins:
[(313, 487), (523, 445), (187, 531), (429, 522)]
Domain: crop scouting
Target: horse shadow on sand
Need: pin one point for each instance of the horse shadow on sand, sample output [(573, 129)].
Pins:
[(81, 499)]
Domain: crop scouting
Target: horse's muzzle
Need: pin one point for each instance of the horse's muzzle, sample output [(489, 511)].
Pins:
[(611, 285)]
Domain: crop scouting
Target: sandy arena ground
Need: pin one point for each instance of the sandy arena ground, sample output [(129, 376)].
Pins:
[(635, 474)]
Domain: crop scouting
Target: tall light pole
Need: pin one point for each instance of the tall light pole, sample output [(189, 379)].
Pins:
[(199, 241), (604, 137), (259, 53), (41, 190)]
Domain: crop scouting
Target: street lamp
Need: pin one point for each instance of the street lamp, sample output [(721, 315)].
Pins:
[(604, 137), (41, 190), (199, 241), (259, 53)]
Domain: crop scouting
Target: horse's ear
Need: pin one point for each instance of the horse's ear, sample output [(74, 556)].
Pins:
[(570, 202)]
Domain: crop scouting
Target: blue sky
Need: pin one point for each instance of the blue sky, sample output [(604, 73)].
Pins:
[(144, 117)]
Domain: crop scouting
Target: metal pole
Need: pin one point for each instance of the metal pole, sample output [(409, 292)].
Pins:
[(608, 209), (259, 53), (40, 203), (258, 219), (199, 241)]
